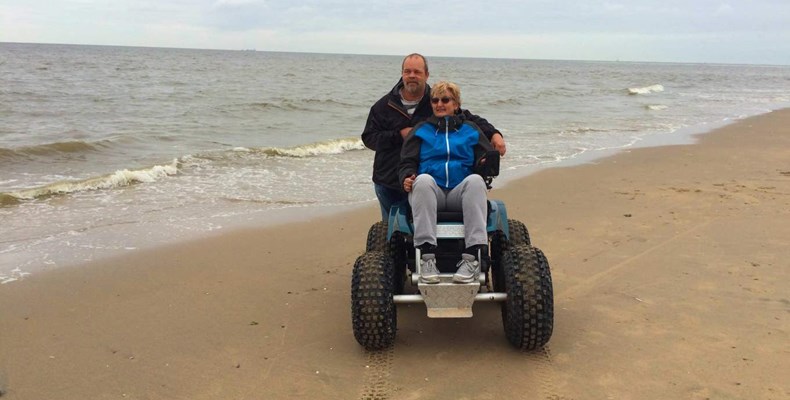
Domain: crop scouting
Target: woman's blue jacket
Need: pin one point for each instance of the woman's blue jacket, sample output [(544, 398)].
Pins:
[(444, 147)]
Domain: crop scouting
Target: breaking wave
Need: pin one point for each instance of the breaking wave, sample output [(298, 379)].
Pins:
[(656, 107), (646, 89), (117, 179), (8, 200), (335, 146), (76, 146)]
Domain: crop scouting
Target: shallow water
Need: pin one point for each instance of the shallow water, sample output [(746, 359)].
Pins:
[(110, 149)]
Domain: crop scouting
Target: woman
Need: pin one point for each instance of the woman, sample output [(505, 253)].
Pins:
[(436, 170)]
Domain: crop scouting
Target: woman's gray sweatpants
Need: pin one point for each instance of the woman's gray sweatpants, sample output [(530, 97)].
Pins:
[(426, 198)]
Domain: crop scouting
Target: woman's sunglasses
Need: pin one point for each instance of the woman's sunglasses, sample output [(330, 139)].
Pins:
[(445, 100)]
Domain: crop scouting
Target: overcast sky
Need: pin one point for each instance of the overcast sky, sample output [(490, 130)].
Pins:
[(712, 31)]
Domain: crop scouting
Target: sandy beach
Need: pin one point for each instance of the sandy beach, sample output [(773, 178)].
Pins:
[(670, 270)]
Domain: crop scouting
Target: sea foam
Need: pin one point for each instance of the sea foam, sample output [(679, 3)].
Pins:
[(15, 275), (117, 179), (646, 89), (336, 146)]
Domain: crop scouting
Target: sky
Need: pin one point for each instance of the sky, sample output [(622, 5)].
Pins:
[(696, 31)]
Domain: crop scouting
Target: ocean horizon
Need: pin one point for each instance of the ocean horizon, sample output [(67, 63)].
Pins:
[(398, 55)]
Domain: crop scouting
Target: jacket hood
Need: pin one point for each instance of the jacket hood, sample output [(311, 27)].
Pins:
[(451, 122)]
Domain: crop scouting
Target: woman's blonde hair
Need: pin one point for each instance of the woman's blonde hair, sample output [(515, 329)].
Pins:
[(447, 87)]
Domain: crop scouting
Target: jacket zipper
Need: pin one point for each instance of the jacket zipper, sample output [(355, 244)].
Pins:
[(447, 164), (405, 114)]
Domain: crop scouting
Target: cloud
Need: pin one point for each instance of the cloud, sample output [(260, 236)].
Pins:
[(670, 30), (724, 9), (613, 6), (235, 3)]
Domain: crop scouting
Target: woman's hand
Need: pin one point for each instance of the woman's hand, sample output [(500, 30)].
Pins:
[(408, 182)]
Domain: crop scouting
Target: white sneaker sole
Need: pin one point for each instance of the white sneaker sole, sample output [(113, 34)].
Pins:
[(431, 279), (464, 279)]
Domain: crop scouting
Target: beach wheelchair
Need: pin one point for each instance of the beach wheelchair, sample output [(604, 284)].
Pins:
[(513, 272)]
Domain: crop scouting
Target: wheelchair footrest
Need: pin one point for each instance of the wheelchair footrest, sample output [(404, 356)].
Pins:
[(449, 300)]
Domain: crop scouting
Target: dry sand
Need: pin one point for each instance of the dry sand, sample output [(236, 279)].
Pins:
[(671, 281)]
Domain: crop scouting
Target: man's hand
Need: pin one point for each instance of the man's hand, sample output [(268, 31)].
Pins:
[(499, 143), (408, 182), (405, 131)]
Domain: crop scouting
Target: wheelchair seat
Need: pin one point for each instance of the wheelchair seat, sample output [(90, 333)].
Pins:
[(457, 216)]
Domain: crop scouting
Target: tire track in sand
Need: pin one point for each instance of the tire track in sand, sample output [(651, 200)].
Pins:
[(378, 375), (545, 373)]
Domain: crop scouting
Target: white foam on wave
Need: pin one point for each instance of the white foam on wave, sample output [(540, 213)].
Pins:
[(13, 276), (117, 179), (646, 89), (336, 146), (656, 107)]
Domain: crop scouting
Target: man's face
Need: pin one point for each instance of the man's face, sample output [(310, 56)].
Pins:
[(414, 76)]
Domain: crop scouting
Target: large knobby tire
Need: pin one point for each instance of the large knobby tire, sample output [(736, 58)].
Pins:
[(528, 312), (499, 246), (377, 237), (395, 249), (399, 254), (373, 313), (518, 232)]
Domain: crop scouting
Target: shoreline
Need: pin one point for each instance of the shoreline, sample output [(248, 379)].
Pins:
[(271, 219), (670, 281)]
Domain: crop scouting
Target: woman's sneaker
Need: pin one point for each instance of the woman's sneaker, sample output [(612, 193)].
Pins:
[(468, 269), (428, 271)]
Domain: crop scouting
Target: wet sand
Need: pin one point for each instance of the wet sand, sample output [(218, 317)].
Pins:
[(670, 269)]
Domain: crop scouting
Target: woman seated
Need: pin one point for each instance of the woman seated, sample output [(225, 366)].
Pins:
[(436, 167)]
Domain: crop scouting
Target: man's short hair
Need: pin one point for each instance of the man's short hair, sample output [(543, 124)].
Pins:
[(424, 61)]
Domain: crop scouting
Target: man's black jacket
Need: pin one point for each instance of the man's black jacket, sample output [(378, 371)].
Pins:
[(382, 132)]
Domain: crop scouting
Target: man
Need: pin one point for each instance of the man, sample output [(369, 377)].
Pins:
[(393, 117)]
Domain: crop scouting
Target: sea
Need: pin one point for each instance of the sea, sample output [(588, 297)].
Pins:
[(110, 150)]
